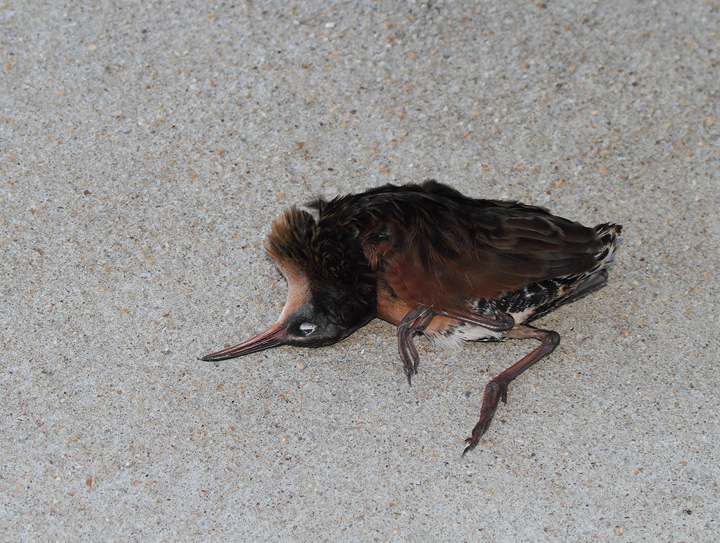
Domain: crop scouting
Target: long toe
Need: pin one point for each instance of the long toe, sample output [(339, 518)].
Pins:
[(495, 391), (480, 428)]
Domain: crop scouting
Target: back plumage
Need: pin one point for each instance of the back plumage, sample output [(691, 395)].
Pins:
[(438, 248)]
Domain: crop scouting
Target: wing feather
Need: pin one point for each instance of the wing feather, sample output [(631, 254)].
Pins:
[(436, 247)]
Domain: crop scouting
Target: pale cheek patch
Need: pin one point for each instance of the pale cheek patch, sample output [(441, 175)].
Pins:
[(298, 290)]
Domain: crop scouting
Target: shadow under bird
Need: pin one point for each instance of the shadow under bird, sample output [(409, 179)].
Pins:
[(433, 261)]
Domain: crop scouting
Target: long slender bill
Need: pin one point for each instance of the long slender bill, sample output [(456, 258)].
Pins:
[(272, 337)]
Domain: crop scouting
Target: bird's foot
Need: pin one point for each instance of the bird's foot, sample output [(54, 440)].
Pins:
[(495, 391), (409, 356), (415, 321)]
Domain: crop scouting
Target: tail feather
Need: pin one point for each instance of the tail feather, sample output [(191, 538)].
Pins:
[(608, 234), (596, 277)]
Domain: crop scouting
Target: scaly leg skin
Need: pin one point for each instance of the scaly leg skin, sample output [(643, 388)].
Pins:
[(496, 389)]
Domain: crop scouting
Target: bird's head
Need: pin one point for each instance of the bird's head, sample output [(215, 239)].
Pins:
[(331, 288)]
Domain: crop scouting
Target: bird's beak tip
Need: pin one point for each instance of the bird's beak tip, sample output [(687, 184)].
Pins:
[(272, 337)]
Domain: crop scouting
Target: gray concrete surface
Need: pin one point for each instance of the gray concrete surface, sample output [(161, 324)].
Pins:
[(145, 148)]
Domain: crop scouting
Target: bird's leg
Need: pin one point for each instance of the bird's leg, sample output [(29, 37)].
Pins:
[(499, 322), (496, 389), (422, 325), (414, 322)]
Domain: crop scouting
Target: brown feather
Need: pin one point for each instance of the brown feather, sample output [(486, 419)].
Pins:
[(325, 265), (437, 248)]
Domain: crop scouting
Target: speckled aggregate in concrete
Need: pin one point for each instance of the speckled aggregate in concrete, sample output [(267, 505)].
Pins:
[(145, 148)]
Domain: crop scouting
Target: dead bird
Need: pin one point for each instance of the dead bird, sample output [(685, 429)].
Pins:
[(433, 261)]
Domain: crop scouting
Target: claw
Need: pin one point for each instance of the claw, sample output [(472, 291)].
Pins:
[(480, 428)]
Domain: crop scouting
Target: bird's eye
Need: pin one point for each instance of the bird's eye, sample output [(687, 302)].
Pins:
[(307, 328)]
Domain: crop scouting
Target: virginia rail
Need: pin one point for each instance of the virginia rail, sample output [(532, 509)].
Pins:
[(431, 261)]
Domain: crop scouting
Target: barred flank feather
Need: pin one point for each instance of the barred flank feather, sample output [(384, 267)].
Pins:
[(608, 234)]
